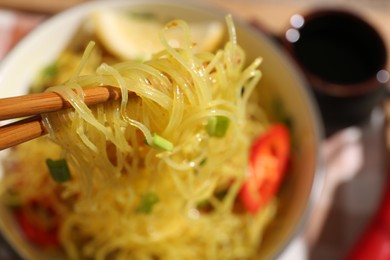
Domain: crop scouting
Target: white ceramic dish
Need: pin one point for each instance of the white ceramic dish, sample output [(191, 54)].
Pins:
[(41, 47)]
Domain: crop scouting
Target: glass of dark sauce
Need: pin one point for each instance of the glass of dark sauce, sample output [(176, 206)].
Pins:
[(344, 59)]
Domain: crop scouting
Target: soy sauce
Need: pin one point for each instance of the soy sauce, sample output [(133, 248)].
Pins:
[(339, 48), (340, 54)]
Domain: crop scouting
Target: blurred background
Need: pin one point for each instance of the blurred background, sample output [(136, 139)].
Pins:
[(355, 157)]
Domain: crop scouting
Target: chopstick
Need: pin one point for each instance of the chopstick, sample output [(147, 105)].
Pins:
[(35, 104), (21, 131)]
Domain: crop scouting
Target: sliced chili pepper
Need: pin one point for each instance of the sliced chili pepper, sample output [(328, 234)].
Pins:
[(374, 242), (39, 222), (268, 159)]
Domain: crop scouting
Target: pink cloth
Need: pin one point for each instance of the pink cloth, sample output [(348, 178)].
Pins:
[(14, 26)]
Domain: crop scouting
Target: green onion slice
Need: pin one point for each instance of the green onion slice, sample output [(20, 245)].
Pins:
[(162, 143), (59, 170), (217, 126), (147, 202)]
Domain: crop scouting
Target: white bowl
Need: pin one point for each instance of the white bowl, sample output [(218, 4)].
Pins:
[(41, 47)]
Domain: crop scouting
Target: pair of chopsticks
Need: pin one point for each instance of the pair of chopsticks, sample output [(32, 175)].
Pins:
[(33, 105)]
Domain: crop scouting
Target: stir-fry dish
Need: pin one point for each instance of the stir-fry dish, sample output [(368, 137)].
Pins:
[(186, 165)]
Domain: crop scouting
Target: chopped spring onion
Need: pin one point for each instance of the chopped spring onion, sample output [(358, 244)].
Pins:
[(204, 205), (203, 162), (12, 199), (279, 111), (44, 77), (143, 16), (51, 70), (217, 126), (59, 170), (147, 202), (162, 143)]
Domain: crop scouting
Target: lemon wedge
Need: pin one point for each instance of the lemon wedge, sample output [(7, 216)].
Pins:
[(131, 37)]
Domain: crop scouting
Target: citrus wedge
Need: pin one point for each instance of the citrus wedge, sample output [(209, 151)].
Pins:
[(131, 37)]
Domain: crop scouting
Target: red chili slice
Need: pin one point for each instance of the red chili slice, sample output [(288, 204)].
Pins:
[(39, 222), (268, 159)]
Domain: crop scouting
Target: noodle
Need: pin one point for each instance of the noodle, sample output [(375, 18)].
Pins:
[(116, 162)]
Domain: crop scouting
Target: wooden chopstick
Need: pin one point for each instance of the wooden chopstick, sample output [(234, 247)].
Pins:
[(35, 104), (21, 131)]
